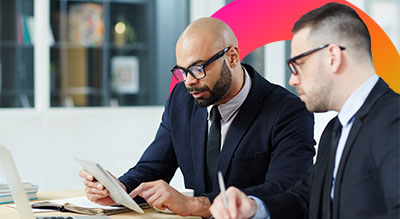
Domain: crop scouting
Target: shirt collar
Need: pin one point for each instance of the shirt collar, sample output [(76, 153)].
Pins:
[(229, 108), (356, 100)]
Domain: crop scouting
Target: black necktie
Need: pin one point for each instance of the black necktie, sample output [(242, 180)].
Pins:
[(213, 148), (336, 129)]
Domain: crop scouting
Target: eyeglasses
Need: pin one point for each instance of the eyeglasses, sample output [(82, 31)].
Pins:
[(197, 71), (291, 62)]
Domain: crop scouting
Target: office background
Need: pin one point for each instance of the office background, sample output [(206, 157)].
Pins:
[(95, 90)]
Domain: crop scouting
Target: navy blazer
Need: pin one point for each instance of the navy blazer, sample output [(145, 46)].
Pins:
[(268, 148), (368, 178)]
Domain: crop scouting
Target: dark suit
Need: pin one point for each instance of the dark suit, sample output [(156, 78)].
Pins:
[(268, 148), (368, 181)]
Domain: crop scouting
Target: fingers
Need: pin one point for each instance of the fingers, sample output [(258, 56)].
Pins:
[(90, 181), (155, 193), (234, 201), (144, 190), (95, 197), (251, 208), (150, 191), (94, 184), (155, 200), (96, 190), (93, 192), (146, 187), (85, 175), (218, 209), (98, 196), (239, 205), (138, 190)]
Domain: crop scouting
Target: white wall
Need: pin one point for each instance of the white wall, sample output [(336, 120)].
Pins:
[(44, 143), (275, 62), (204, 8)]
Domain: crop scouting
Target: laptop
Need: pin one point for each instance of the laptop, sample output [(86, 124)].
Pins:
[(18, 193)]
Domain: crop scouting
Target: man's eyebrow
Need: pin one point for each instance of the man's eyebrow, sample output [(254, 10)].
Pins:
[(194, 63)]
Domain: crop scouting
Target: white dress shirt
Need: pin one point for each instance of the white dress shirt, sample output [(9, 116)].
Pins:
[(346, 119)]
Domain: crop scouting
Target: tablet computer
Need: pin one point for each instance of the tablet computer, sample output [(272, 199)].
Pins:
[(117, 193)]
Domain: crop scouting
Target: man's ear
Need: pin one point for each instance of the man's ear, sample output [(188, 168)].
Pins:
[(335, 58), (233, 56)]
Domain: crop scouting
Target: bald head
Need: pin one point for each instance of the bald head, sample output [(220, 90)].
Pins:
[(208, 34), (206, 41)]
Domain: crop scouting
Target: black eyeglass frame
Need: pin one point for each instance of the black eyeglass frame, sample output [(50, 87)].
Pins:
[(292, 61), (201, 66)]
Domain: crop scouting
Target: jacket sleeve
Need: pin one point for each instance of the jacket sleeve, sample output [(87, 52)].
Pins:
[(385, 147), (158, 161), (294, 203)]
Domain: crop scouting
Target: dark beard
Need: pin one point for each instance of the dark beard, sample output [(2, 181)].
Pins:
[(222, 85)]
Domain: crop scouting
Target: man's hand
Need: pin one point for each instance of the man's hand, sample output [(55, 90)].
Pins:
[(95, 191), (239, 205), (161, 195)]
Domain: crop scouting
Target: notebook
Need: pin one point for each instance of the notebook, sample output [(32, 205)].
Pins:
[(18, 193)]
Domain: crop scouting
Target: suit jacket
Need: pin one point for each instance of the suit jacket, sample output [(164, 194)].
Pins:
[(268, 148), (367, 182)]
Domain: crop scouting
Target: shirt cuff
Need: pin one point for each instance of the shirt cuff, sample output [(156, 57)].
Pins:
[(262, 211)]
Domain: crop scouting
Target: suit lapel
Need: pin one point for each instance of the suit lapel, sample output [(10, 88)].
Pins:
[(198, 136), (379, 90), (236, 132), (243, 120)]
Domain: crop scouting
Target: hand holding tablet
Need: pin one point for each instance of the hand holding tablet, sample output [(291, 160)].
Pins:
[(116, 192)]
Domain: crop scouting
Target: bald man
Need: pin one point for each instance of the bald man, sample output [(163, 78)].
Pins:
[(223, 116)]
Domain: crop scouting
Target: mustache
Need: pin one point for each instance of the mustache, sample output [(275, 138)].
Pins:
[(197, 90)]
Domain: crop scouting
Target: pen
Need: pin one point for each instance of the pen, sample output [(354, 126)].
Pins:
[(222, 189)]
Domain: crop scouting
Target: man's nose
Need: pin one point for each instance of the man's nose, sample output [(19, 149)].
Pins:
[(190, 80), (294, 80)]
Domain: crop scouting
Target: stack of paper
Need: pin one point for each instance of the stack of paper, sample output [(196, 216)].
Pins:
[(5, 193)]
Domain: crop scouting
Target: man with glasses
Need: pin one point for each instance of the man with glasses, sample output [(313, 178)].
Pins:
[(225, 117), (356, 174)]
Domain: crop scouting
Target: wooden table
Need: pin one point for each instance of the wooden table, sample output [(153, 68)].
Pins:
[(11, 213)]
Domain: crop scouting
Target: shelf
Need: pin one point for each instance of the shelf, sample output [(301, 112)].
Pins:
[(94, 1), (86, 52), (12, 92), (135, 46), (105, 1), (14, 44), (77, 91), (68, 45)]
